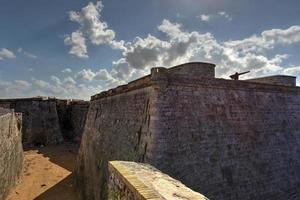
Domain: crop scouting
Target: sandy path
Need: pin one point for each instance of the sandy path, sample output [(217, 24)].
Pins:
[(47, 175)]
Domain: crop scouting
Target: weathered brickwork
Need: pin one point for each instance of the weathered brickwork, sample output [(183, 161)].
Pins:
[(225, 139), (11, 151)]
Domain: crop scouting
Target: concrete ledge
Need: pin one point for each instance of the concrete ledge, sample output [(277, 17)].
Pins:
[(137, 181)]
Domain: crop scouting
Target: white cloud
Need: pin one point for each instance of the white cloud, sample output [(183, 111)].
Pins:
[(17, 88), (77, 43), (92, 25), (55, 80), (209, 17), (69, 81), (86, 75), (66, 70), (27, 54), (6, 54), (292, 71), (204, 18), (266, 40), (225, 15)]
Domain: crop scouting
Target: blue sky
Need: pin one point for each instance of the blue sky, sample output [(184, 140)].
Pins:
[(74, 49)]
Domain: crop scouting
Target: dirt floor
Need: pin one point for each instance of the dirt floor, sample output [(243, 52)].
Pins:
[(47, 174)]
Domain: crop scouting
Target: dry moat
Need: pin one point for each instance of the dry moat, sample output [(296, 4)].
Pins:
[(47, 174)]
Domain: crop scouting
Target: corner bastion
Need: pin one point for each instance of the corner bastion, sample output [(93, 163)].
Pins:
[(224, 139)]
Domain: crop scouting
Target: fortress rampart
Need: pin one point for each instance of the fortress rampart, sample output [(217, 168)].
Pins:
[(225, 139)]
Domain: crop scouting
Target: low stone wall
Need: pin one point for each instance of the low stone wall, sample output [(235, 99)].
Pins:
[(11, 151), (136, 181)]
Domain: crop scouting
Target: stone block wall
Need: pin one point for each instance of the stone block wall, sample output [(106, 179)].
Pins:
[(11, 151), (137, 181), (225, 139)]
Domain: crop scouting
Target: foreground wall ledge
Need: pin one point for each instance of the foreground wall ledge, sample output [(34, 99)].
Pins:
[(130, 180)]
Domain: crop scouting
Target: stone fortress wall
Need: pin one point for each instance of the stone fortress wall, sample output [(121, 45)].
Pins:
[(225, 139), (43, 119), (11, 151)]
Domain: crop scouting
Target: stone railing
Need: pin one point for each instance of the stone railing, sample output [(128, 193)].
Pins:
[(137, 181)]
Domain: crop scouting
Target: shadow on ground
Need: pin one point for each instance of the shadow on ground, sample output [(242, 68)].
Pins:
[(63, 190)]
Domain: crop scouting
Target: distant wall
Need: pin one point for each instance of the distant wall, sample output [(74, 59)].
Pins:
[(72, 117), (136, 181), (11, 152), (40, 120)]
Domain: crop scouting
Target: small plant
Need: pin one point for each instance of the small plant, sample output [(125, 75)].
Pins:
[(114, 195)]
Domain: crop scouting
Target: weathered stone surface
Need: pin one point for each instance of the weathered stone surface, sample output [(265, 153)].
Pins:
[(72, 116), (225, 139), (137, 181), (40, 121), (11, 151)]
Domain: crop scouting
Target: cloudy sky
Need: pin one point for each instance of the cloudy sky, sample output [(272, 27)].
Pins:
[(74, 49)]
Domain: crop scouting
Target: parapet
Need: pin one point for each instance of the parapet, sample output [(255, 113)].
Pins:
[(193, 69), (199, 69), (139, 181), (276, 80)]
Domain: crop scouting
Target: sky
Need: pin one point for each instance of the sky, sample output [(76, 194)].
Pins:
[(75, 49)]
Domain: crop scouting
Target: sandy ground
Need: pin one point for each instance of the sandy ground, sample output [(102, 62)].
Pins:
[(47, 174)]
